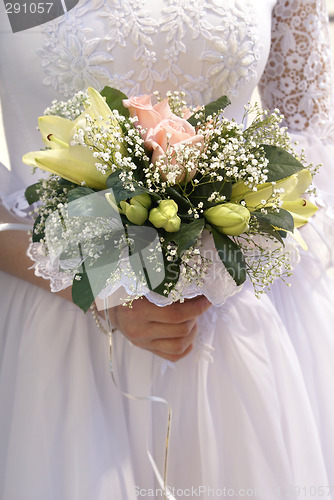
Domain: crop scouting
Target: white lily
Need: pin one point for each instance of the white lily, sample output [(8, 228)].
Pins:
[(294, 186), (75, 163)]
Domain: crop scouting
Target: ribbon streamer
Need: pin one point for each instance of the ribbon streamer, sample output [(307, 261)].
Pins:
[(10, 226), (155, 399)]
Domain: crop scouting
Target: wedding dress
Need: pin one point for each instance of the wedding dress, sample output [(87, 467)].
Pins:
[(252, 403)]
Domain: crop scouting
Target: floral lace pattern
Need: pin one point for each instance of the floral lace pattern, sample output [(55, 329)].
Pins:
[(297, 78), (72, 61), (139, 48), (43, 267)]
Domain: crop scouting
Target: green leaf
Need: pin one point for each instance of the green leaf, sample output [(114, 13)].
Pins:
[(64, 183), (281, 219), (283, 234), (82, 294), (213, 107), (32, 192), (84, 202), (140, 237), (79, 192), (94, 276), (231, 256), (266, 228), (145, 254), (37, 236), (281, 163), (114, 100), (187, 235), (172, 273), (123, 193)]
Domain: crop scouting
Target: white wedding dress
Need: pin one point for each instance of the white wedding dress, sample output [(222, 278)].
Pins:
[(253, 411)]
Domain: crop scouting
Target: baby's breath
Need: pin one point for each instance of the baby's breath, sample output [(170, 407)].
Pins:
[(70, 109)]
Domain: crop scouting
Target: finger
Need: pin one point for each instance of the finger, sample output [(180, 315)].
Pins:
[(142, 310), (176, 345), (170, 330), (142, 335), (172, 357), (179, 312), (160, 331)]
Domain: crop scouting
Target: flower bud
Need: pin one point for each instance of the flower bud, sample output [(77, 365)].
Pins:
[(134, 211), (165, 216), (141, 199), (228, 218), (253, 199)]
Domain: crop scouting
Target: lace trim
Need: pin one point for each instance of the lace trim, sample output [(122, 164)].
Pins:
[(297, 78), (218, 285), (45, 269)]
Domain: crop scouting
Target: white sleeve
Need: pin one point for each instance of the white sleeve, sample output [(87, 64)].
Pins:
[(298, 81), (297, 78)]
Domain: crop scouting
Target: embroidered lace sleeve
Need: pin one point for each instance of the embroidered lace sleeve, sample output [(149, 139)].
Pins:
[(298, 80), (297, 77)]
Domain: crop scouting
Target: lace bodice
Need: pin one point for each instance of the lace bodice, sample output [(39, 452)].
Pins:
[(139, 49)]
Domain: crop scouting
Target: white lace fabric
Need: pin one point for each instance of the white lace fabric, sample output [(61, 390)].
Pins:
[(298, 74), (217, 284), (153, 47), (45, 269)]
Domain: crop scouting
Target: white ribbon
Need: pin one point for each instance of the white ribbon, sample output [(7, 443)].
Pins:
[(155, 399), (9, 226)]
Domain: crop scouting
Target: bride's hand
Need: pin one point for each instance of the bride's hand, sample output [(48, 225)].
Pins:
[(167, 331)]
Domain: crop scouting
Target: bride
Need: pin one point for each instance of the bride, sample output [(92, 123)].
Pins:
[(250, 382)]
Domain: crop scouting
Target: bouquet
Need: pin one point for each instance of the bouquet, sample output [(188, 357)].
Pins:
[(151, 196)]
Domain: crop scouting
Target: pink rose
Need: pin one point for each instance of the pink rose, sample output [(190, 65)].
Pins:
[(148, 116), (172, 132)]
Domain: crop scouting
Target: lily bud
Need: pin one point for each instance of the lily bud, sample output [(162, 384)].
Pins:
[(134, 211), (228, 218), (253, 199), (141, 199), (165, 216)]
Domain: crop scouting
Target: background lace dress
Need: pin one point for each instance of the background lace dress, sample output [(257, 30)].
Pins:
[(252, 403)]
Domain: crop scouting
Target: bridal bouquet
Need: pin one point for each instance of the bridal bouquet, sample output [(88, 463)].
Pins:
[(136, 191)]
